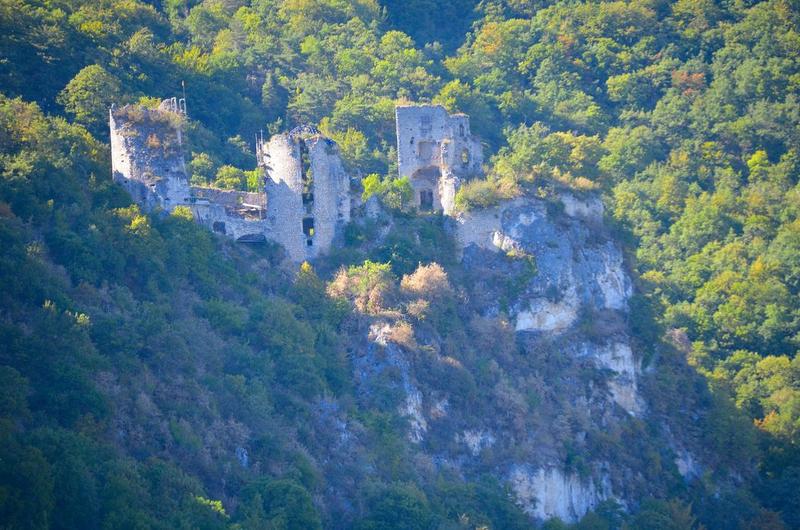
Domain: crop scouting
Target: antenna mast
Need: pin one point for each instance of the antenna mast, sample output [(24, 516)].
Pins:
[(183, 89)]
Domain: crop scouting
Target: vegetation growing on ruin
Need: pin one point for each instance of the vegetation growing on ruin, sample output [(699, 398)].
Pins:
[(683, 114)]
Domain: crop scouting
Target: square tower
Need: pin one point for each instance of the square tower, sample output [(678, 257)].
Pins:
[(435, 151)]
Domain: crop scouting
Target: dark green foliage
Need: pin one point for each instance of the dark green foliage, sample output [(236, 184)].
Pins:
[(121, 306), (485, 502), (134, 357), (415, 240), (397, 507), (395, 193), (667, 515), (425, 19), (282, 504)]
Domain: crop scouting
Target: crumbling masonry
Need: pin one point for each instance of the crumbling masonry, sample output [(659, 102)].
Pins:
[(305, 200), (436, 151), (308, 191), (304, 204)]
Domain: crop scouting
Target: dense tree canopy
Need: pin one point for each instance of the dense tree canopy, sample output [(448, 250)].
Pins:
[(684, 114)]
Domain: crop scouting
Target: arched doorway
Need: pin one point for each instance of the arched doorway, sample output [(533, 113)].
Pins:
[(425, 181)]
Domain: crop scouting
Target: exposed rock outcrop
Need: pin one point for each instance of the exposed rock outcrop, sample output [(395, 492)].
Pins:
[(548, 493), (575, 271)]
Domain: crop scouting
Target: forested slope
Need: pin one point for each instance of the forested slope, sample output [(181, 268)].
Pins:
[(683, 115)]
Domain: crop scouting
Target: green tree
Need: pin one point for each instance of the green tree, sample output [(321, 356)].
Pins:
[(89, 95)]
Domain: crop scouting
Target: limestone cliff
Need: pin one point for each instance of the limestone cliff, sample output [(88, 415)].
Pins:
[(545, 290)]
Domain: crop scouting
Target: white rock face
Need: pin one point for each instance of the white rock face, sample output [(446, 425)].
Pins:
[(589, 209), (479, 228), (439, 409), (544, 315), (548, 493), (687, 465), (614, 283), (524, 219), (379, 333), (619, 358), (412, 408), (476, 440), (504, 243)]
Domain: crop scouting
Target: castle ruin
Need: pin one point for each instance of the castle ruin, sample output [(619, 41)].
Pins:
[(436, 151), (304, 203), (307, 188), (305, 200), (147, 154)]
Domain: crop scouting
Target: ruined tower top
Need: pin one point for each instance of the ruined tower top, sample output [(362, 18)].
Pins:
[(147, 153)]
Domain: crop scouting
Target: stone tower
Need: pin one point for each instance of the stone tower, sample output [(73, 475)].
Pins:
[(304, 203), (436, 151), (146, 154), (308, 191)]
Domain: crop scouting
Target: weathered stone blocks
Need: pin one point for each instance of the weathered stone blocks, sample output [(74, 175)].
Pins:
[(435, 151)]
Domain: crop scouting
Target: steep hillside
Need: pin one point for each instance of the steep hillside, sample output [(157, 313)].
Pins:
[(538, 355), (157, 370)]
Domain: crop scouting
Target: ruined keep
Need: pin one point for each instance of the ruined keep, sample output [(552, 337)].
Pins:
[(304, 203), (147, 154), (308, 191), (436, 151)]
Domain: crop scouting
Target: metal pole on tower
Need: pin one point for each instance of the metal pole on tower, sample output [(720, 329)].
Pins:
[(183, 88)]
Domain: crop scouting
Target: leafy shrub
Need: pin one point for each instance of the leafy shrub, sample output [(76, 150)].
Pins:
[(483, 193), (395, 193), (370, 286), (428, 281)]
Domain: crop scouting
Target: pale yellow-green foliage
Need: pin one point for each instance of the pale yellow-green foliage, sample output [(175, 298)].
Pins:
[(428, 281), (370, 287), (183, 212), (402, 333), (485, 193), (214, 505)]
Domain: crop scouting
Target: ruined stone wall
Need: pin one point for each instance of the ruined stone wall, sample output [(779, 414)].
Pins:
[(436, 151), (147, 158), (221, 220), (306, 198), (284, 187), (238, 214), (232, 199), (308, 192), (331, 189)]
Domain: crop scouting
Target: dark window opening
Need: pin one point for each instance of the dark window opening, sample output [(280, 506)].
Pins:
[(308, 226), (426, 200), (461, 130), (306, 174), (308, 202), (425, 124), (219, 226), (309, 242), (412, 141)]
